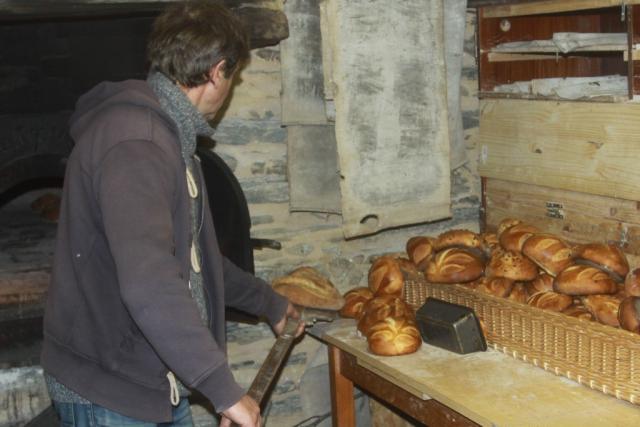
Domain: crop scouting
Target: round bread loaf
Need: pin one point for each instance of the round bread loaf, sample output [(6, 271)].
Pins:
[(604, 308), (379, 308), (457, 239), (454, 265), (385, 277), (505, 224), (420, 250), (512, 265), (578, 311), (513, 238), (550, 301), (608, 257), (307, 287), (550, 252), (354, 301), (519, 293), (584, 280), (394, 336), (632, 283), (496, 286), (629, 314), (542, 283)]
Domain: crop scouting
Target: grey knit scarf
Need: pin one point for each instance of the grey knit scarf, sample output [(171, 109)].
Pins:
[(191, 124)]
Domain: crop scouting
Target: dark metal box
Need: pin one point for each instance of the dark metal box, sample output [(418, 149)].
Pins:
[(450, 326)]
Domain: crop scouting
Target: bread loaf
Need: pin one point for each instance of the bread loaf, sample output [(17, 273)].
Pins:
[(629, 314), (607, 257), (542, 283), (379, 308), (307, 287), (604, 308), (458, 238), (354, 301), (549, 252), (584, 280), (632, 283), (512, 265), (394, 336), (385, 277), (496, 286), (518, 293), (578, 311), (420, 250), (513, 238), (505, 224), (550, 301), (454, 265)]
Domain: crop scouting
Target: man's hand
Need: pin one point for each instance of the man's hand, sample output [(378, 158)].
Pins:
[(292, 313), (245, 413)]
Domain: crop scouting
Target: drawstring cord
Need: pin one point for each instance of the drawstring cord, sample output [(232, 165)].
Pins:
[(173, 385)]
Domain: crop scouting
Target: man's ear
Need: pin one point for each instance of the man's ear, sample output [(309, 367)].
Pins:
[(217, 72)]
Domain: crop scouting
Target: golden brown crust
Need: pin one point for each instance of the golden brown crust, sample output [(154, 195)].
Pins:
[(604, 308), (550, 301), (505, 224), (457, 238), (394, 336), (632, 283), (385, 277), (542, 283), (549, 252), (584, 280), (578, 311), (512, 265), (609, 257), (307, 287), (379, 308), (513, 238), (519, 293), (496, 286), (420, 250), (629, 314), (354, 301), (454, 265)]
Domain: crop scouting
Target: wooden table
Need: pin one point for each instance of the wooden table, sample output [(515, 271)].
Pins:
[(440, 388)]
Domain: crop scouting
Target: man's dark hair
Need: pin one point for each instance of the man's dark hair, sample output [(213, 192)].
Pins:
[(189, 38)]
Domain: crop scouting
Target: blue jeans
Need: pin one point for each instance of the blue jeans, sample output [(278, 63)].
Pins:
[(92, 415)]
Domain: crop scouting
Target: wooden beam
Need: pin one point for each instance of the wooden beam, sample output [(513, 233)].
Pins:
[(510, 8), (266, 26)]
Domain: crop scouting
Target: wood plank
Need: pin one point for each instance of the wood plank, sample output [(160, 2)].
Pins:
[(491, 388), (429, 411), (576, 217), (550, 6), (342, 403), (588, 147)]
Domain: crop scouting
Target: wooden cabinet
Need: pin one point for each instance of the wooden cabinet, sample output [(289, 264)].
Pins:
[(524, 45)]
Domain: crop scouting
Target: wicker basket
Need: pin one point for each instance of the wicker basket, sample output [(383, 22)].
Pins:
[(598, 356)]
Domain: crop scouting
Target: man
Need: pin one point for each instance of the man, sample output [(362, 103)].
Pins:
[(136, 303)]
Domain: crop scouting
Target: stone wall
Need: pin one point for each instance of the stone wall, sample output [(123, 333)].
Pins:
[(252, 141)]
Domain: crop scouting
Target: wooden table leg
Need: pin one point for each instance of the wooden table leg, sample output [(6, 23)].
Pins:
[(342, 403)]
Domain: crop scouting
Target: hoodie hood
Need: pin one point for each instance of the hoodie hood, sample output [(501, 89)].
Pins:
[(108, 94)]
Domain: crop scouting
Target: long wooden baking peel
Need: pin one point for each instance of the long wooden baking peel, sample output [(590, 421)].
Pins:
[(280, 350)]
